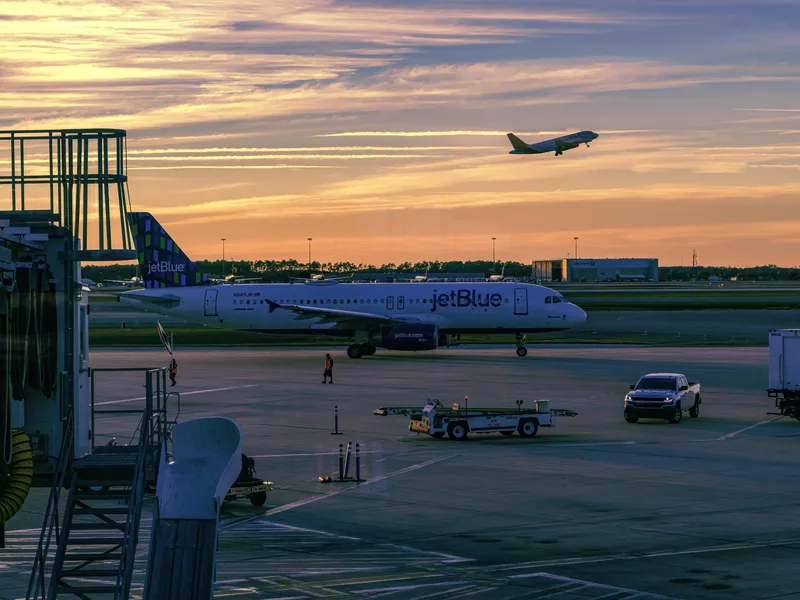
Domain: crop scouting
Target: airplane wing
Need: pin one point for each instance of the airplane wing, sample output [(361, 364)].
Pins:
[(347, 319)]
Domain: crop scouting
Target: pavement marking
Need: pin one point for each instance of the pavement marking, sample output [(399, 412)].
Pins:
[(580, 444), (615, 590), (735, 433), (225, 389), (613, 557), (310, 454), (304, 501)]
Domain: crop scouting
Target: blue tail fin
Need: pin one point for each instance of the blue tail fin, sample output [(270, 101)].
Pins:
[(161, 262)]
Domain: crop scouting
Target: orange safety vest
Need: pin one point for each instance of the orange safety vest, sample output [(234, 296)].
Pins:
[(328, 364)]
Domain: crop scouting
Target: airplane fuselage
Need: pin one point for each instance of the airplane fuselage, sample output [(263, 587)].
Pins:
[(557, 145), (452, 307)]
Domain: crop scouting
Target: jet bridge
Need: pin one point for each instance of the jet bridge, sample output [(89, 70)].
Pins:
[(63, 200)]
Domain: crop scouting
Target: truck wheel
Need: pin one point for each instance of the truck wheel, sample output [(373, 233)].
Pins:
[(258, 499), (631, 419), (528, 427), (694, 412), (676, 415), (457, 431), (438, 434)]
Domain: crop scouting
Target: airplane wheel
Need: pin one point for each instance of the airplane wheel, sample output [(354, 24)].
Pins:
[(522, 351), (354, 351), (369, 350)]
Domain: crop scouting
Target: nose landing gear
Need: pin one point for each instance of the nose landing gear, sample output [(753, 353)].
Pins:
[(521, 349)]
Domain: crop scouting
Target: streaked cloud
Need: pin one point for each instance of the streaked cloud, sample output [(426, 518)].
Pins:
[(464, 133), (225, 104)]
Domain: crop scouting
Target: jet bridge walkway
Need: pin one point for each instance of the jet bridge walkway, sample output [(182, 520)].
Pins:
[(192, 485)]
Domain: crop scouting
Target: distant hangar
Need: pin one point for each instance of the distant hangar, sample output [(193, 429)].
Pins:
[(596, 269)]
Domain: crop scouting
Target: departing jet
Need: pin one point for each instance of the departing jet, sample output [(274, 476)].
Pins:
[(395, 316), (557, 145)]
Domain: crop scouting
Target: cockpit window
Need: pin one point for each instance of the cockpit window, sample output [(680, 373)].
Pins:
[(548, 300), (556, 299)]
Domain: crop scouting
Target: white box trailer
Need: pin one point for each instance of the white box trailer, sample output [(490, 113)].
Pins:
[(784, 370)]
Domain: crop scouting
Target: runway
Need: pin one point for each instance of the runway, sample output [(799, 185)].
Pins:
[(593, 508)]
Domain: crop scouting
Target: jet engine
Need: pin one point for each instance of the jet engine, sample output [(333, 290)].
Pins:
[(410, 337)]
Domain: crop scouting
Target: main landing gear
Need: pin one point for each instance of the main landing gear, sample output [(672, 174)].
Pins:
[(359, 350), (521, 349)]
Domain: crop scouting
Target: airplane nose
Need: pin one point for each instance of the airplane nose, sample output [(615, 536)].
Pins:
[(576, 314)]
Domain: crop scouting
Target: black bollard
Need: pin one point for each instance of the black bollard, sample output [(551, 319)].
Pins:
[(341, 462), (336, 421)]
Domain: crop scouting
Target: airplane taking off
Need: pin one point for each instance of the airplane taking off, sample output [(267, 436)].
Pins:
[(557, 145), (395, 316)]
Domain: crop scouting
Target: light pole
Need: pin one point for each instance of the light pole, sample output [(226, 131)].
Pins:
[(309, 257), (576, 247), (493, 258), (223, 257)]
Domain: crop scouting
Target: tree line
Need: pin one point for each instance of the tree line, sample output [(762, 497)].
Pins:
[(283, 270)]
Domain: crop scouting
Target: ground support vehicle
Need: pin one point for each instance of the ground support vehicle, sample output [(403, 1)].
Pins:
[(662, 396), (458, 422), (247, 485), (784, 371)]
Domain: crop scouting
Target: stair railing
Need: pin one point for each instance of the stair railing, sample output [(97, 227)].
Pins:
[(37, 586), (132, 522)]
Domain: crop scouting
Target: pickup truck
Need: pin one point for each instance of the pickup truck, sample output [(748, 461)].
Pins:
[(662, 396)]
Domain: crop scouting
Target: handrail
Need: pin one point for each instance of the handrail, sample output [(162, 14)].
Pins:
[(128, 554), (36, 583)]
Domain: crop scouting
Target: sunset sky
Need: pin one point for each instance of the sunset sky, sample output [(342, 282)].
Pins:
[(378, 128)]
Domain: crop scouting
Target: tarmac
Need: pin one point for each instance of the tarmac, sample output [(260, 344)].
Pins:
[(593, 508)]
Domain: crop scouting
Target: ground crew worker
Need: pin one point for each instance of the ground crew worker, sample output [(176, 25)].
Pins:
[(173, 370), (328, 369)]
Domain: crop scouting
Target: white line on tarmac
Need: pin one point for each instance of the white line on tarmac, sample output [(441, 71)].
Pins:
[(730, 435), (309, 454), (225, 389), (612, 557), (332, 493), (614, 590), (580, 444)]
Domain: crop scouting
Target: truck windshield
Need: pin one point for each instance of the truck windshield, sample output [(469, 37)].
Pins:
[(656, 383)]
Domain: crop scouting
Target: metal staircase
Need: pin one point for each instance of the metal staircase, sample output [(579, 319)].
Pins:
[(98, 544), (96, 540)]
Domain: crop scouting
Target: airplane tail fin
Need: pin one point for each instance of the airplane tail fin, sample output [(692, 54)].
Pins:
[(517, 143), (161, 261)]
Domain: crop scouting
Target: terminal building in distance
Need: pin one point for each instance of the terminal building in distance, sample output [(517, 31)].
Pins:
[(596, 269)]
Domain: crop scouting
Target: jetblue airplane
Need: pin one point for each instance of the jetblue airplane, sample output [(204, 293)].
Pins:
[(559, 144), (394, 316)]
